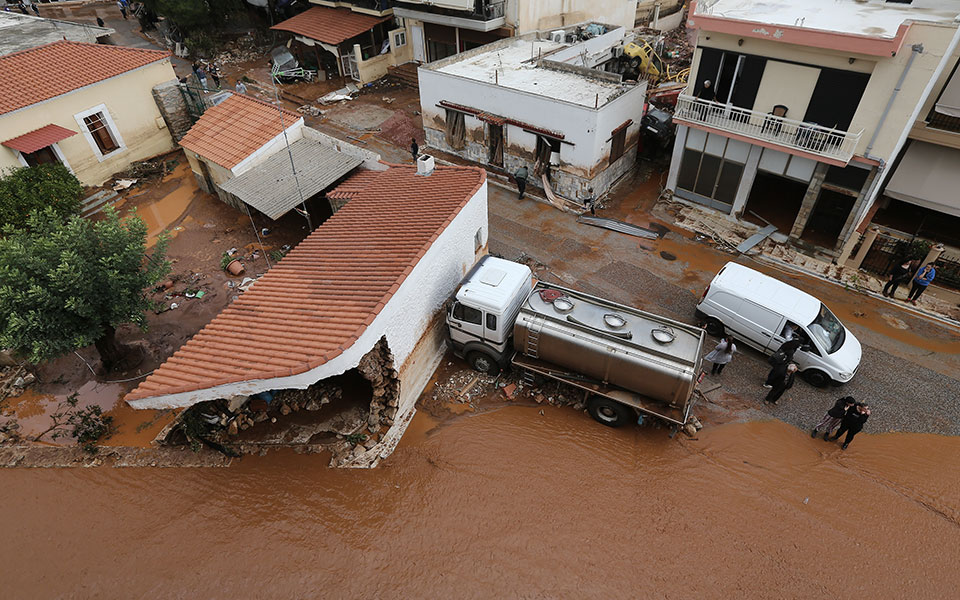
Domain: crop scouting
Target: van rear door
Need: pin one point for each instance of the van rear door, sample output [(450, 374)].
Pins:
[(759, 324)]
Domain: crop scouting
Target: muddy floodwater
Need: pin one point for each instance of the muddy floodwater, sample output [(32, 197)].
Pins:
[(508, 503)]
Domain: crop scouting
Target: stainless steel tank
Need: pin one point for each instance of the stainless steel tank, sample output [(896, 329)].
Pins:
[(609, 342)]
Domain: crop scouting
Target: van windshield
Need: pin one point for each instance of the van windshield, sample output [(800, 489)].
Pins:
[(828, 330)]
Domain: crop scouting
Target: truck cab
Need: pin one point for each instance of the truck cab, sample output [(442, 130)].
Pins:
[(480, 319)]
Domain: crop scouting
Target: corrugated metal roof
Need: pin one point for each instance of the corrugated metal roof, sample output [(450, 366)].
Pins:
[(271, 188)]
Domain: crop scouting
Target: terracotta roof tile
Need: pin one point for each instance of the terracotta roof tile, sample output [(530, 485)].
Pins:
[(321, 297), (39, 138), (45, 72), (330, 25), (353, 185), (234, 129)]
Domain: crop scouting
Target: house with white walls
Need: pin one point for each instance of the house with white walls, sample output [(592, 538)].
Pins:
[(540, 102)]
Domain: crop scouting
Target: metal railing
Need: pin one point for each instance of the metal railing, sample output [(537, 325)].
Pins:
[(795, 135)]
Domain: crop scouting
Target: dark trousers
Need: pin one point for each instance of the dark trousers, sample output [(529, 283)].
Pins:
[(775, 374), (776, 391), (717, 368), (916, 291), (521, 186), (891, 288), (123, 11), (850, 433)]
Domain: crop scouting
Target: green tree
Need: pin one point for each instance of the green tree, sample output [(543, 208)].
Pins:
[(29, 189), (194, 15), (67, 284)]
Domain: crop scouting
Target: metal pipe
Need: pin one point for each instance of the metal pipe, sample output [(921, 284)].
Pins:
[(917, 49)]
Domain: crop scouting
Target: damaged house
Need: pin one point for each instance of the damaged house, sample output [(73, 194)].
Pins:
[(544, 103), (350, 323)]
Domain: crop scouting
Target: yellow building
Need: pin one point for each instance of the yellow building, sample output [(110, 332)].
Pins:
[(87, 106)]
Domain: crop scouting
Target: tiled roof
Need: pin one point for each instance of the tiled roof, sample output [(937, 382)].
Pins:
[(316, 302), (353, 185), (232, 130), (330, 25), (39, 138), (48, 71)]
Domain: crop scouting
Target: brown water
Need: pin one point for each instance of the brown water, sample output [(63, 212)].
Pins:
[(505, 504)]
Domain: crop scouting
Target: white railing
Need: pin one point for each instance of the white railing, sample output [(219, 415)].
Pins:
[(794, 135)]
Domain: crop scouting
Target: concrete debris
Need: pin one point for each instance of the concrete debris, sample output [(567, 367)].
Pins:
[(122, 184)]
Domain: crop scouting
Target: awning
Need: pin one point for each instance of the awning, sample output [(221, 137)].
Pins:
[(270, 186), (39, 138), (928, 176), (330, 25), (949, 102)]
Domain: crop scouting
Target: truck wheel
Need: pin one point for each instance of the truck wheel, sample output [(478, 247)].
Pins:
[(714, 327), (483, 363), (816, 378), (609, 412)]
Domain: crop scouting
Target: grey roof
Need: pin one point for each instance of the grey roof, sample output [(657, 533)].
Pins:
[(22, 32), (270, 186)]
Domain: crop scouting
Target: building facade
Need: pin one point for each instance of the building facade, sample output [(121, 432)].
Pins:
[(807, 107)]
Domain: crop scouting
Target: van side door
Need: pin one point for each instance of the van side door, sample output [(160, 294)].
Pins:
[(760, 325)]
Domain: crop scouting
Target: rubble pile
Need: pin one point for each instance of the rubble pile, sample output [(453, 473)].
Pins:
[(244, 49), (377, 368), (13, 380), (9, 432), (144, 169)]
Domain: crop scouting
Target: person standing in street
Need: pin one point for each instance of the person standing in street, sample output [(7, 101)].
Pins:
[(521, 177), (240, 87), (414, 149), (33, 6), (920, 282), (852, 423), (722, 354), (781, 384), (201, 76), (215, 75), (833, 417), (123, 9), (100, 22), (781, 358), (898, 276)]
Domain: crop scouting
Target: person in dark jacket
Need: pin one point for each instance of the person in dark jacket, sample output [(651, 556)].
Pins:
[(521, 177), (414, 149), (781, 384), (852, 423), (781, 358), (899, 276), (920, 282), (833, 417)]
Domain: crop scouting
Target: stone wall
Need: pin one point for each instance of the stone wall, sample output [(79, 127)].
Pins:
[(173, 108)]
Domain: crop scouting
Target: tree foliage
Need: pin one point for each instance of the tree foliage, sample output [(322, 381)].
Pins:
[(195, 15), (30, 189), (67, 284)]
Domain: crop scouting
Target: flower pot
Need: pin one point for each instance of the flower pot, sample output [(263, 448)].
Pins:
[(235, 267)]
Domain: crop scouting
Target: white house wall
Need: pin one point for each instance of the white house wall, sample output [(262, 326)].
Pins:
[(403, 320)]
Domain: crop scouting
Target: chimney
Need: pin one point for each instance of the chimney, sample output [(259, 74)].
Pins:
[(425, 164)]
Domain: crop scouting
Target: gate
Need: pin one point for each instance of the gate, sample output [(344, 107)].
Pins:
[(193, 98), (885, 252)]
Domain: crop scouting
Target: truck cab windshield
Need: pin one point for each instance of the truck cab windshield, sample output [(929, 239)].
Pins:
[(466, 314), (827, 330)]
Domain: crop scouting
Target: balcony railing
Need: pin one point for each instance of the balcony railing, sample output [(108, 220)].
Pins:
[(484, 10), (809, 138)]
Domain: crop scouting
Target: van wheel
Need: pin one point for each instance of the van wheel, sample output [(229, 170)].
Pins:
[(714, 327), (816, 378), (483, 363), (609, 412)]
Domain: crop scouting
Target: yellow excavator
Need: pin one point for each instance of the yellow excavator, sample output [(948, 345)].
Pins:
[(647, 63)]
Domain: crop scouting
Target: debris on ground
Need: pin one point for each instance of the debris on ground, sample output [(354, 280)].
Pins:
[(122, 184), (307, 109)]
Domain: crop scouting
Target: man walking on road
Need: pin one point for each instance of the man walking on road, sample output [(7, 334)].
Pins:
[(123, 9), (833, 417), (521, 177), (852, 423), (781, 384)]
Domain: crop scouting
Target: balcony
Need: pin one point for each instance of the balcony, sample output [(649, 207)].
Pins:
[(380, 8), (796, 137), (477, 15)]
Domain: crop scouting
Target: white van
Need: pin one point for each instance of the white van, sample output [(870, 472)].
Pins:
[(763, 312)]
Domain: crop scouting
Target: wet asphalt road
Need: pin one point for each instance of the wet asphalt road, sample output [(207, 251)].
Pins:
[(904, 394)]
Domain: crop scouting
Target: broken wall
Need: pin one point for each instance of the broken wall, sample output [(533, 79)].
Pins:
[(173, 108)]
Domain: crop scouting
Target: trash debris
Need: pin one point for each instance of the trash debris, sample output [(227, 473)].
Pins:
[(201, 294), (246, 284), (231, 251), (173, 305), (307, 109), (123, 184)]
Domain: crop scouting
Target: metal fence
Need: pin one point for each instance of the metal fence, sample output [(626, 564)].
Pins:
[(885, 252), (948, 271)]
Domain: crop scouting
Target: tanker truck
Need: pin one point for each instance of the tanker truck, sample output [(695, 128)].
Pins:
[(627, 362)]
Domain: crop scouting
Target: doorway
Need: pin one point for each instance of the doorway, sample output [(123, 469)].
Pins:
[(775, 199), (416, 33), (42, 156), (496, 144), (827, 218)]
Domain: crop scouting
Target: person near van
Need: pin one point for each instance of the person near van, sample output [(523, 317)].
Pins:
[(833, 417), (722, 354), (852, 423), (899, 276), (920, 282), (781, 384), (781, 358)]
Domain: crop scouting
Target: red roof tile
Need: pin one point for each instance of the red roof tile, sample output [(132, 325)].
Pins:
[(330, 25), (320, 298), (48, 71), (232, 130), (39, 138), (354, 184)]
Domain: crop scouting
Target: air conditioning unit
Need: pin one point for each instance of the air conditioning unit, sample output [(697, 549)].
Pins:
[(557, 36)]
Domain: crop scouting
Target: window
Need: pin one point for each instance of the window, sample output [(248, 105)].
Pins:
[(618, 142), (466, 314), (101, 132), (97, 126), (545, 149), (828, 330), (400, 38), (711, 168), (491, 322), (456, 129)]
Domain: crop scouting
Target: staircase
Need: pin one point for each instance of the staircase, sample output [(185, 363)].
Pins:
[(95, 203), (405, 74)]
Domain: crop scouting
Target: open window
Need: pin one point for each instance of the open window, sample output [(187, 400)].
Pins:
[(545, 149)]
